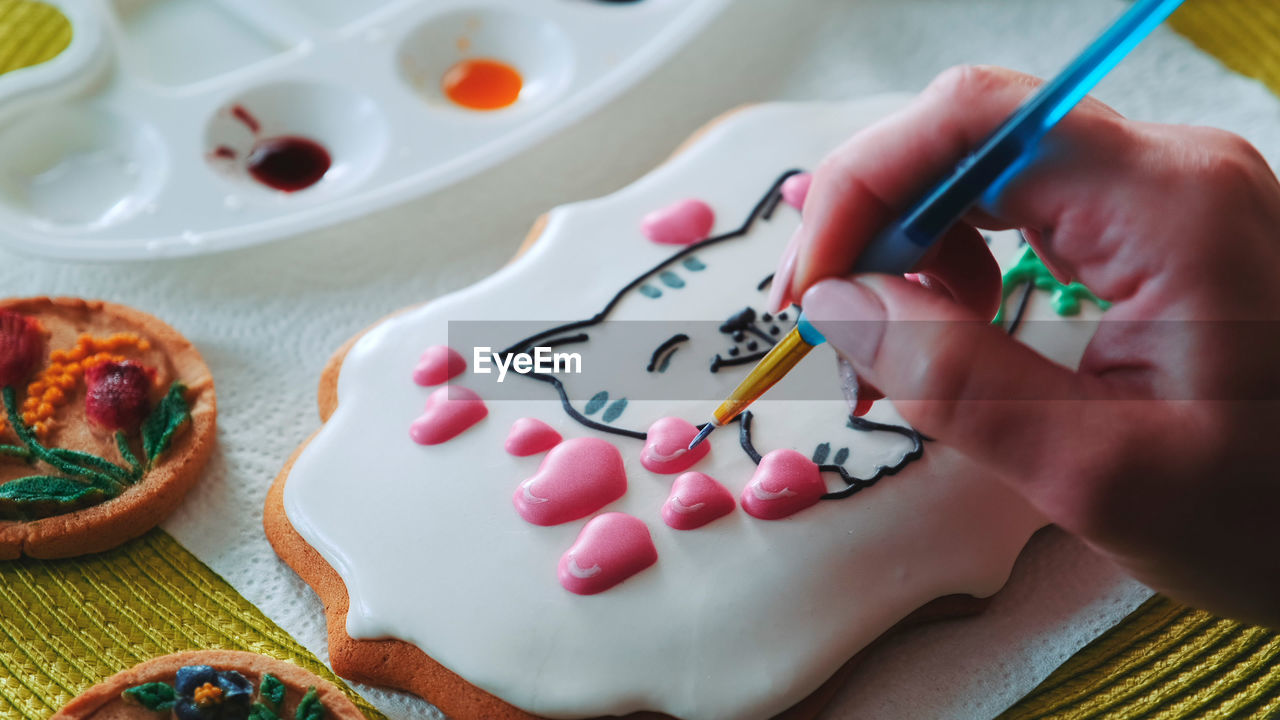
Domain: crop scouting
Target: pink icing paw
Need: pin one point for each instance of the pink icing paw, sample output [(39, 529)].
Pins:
[(795, 189), (438, 364), (449, 411), (696, 499), (682, 223), (530, 436), (610, 549), (666, 446), (784, 483), (577, 478)]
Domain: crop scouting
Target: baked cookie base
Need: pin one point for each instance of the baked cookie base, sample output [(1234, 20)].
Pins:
[(142, 506), (103, 701)]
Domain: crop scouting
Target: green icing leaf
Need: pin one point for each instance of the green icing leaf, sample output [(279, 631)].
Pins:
[(11, 412), (272, 692), (310, 708), (114, 474), (41, 496), (262, 712), (15, 451), (164, 421), (155, 696), (122, 445)]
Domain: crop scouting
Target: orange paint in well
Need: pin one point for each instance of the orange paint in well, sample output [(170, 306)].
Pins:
[(482, 84)]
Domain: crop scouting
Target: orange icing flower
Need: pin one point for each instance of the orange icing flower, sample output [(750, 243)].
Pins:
[(206, 695)]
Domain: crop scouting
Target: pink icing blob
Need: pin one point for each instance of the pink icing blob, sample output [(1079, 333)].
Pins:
[(610, 549), (530, 436), (449, 411), (696, 499), (682, 223), (578, 477), (784, 483), (666, 446), (795, 189), (438, 364)]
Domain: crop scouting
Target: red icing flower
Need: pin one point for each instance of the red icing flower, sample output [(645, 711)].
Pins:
[(119, 394), (21, 345)]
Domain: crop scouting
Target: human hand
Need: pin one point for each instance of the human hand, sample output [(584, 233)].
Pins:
[(1157, 451)]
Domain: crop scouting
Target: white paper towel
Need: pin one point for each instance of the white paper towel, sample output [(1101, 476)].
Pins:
[(268, 318)]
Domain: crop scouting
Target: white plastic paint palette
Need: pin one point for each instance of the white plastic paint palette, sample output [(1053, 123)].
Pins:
[(134, 142)]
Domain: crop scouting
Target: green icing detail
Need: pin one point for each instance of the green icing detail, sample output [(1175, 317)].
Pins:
[(94, 463), (154, 696), (38, 496), (67, 461), (272, 692), (164, 421), (650, 291), (614, 411), (162, 697), (670, 279), (694, 264), (309, 707), (83, 479), (596, 402), (122, 446), (1030, 269), (14, 451), (261, 712)]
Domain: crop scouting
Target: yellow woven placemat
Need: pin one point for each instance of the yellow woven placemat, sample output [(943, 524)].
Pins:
[(1164, 661), (30, 33), (1243, 34), (66, 624)]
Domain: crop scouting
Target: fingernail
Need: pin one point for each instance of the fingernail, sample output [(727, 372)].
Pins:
[(850, 315), (781, 285)]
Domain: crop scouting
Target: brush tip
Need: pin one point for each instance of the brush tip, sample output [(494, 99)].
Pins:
[(702, 435)]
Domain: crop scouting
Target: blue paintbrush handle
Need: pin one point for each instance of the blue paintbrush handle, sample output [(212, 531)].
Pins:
[(985, 172)]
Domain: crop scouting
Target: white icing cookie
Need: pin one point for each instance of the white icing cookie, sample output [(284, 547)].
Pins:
[(738, 618)]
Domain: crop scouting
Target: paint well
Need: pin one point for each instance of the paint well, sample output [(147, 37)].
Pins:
[(482, 84)]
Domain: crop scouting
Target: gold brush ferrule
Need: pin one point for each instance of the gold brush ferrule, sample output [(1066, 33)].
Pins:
[(790, 350)]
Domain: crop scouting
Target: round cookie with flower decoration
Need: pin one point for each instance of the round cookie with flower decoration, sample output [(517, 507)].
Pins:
[(109, 418), (212, 685), (513, 534)]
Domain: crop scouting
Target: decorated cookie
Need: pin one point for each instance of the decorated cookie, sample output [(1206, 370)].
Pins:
[(212, 685), (108, 420), (563, 554)]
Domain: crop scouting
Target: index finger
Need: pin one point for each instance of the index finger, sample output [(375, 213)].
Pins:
[(861, 186)]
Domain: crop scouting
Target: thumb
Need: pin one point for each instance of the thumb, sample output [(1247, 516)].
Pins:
[(953, 375)]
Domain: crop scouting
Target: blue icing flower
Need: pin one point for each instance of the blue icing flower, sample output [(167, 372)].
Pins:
[(208, 694)]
